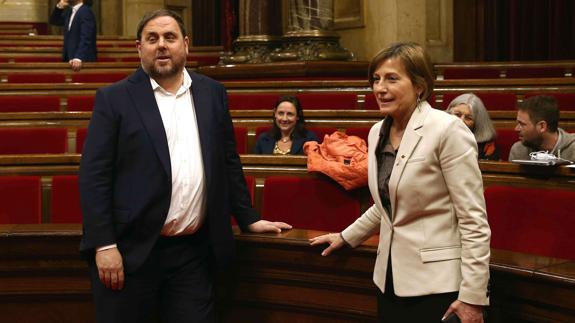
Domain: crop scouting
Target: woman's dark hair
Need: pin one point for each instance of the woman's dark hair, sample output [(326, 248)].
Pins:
[(299, 130)]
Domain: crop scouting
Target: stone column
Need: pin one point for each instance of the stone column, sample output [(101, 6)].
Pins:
[(310, 33), (260, 32)]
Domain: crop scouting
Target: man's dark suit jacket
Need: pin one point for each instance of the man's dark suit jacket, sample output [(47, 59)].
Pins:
[(80, 40), (125, 174)]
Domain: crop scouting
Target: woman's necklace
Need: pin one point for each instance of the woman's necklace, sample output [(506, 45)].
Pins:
[(285, 139)]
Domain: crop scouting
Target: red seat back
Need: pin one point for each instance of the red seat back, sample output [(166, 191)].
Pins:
[(361, 132), (491, 100), (255, 101), (20, 200), (29, 103), (531, 220), (505, 139), (535, 72), (470, 73), (36, 78), (241, 134), (309, 203), (33, 140), (81, 103), (98, 77), (66, 200), (565, 101), (328, 101)]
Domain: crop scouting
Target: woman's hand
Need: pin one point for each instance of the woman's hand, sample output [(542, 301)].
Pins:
[(334, 240), (467, 313)]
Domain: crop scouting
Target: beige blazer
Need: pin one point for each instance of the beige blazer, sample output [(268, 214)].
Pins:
[(438, 235)]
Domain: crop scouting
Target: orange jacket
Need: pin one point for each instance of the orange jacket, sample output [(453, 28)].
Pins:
[(341, 157)]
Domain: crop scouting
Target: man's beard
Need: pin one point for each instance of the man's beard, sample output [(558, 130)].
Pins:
[(161, 72), (534, 144)]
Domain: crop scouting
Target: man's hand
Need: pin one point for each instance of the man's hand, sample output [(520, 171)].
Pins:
[(110, 268), (266, 226), (334, 240), (76, 64), (62, 4), (467, 313)]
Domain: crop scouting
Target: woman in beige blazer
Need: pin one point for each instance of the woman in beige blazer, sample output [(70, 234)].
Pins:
[(433, 253)]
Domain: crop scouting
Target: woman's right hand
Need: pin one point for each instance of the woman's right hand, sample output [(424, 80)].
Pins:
[(334, 240)]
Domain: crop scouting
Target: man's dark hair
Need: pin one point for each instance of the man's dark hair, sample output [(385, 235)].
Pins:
[(542, 108), (156, 14)]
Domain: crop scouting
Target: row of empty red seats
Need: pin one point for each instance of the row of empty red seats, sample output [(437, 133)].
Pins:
[(55, 140), (83, 77), (507, 72), (528, 220), (202, 60), (16, 141), (306, 203), (257, 101)]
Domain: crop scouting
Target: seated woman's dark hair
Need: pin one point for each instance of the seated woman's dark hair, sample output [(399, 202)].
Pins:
[(299, 130)]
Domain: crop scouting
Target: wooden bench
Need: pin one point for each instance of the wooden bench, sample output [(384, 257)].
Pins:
[(279, 278)]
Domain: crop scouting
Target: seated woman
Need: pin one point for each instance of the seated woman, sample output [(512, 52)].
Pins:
[(288, 133), (470, 109)]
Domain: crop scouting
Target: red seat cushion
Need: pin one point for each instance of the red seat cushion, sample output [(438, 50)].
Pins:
[(33, 140), (38, 59), (80, 139), (81, 103), (255, 101), (66, 200), (491, 100), (531, 220), (505, 139), (36, 78), (328, 101), (309, 203), (20, 200), (241, 134), (29, 103)]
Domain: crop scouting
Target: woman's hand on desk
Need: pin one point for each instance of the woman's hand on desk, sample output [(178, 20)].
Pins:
[(335, 241)]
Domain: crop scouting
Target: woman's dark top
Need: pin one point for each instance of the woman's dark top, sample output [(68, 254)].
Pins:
[(266, 143), (385, 159), (488, 150)]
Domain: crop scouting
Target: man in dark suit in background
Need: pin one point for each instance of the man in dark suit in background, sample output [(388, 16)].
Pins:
[(159, 178), (79, 24)]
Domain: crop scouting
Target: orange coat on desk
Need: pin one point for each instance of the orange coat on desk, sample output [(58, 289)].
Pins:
[(341, 157)]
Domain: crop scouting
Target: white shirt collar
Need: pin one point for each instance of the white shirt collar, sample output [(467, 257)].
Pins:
[(76, 7), (186, 84)]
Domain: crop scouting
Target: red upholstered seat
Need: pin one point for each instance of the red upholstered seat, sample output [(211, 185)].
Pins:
[(531, 220), (241, 134), (36, 78), (328, 101), (204, 60), (491, 100), (29, 103), (20, 200), (66, 200), (33, 140), (80, 139), (309, 203), (81, 103), (98, 77), (505, 139), (535, 72), (255, 101), (361, 132), (320, 132), (470, 73), (565, 101)]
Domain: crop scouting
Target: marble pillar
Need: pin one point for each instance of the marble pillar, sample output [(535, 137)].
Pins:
[(260, 32), (310, 34)]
